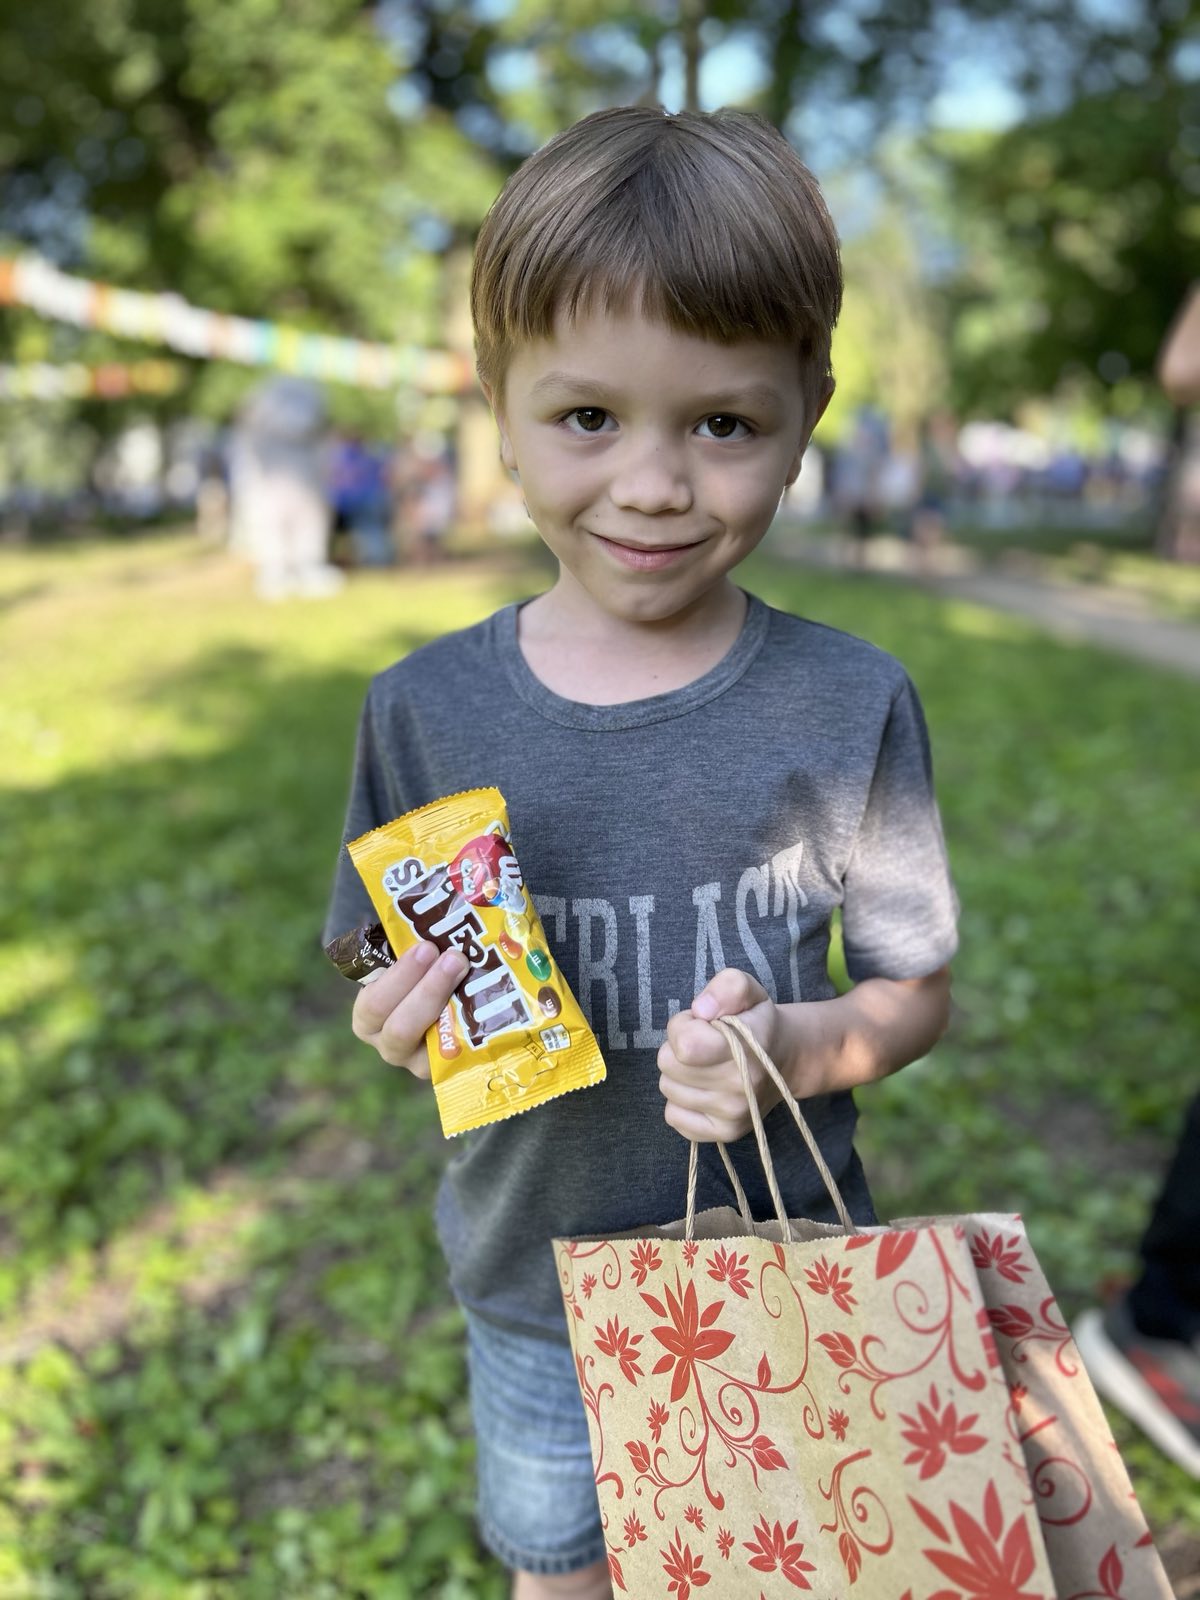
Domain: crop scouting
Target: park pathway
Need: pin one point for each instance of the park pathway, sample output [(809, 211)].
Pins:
[(1094, 613)]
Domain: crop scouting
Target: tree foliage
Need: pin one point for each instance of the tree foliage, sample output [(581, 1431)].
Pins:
[(1080, 233)]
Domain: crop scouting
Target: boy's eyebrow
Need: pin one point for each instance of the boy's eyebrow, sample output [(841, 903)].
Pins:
[(751, 397)]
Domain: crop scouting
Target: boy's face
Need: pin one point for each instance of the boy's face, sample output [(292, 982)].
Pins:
[(651, 461)]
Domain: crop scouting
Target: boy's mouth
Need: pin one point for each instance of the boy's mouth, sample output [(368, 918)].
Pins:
[(644, 557)]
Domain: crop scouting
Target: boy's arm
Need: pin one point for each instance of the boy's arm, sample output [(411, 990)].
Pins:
[(875, 1029), (820, 1046)]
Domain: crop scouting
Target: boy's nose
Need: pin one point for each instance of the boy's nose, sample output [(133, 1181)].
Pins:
[(652, 479)]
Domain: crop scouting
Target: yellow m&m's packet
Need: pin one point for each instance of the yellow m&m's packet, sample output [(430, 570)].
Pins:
[(513, 1034)]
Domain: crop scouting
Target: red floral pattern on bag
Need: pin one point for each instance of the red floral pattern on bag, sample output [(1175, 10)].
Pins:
[(1062, 1487), (688, 1338), (683, 1569), (593, 1398), (1110, 1575), (935, 1430), (860, 1519), (726, 1266), (730, 1420), (1023, 1328), (614, 1340), (930, 1319), (656, 1420), (644, 1258), (774, 1550), (755, 1431), (999, 1252), (894, 1248), (833, 1281), (635, 1530), (993, 1562), (571, 1252)]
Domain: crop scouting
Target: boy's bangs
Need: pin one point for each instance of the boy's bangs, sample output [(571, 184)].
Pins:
[(690, 270)]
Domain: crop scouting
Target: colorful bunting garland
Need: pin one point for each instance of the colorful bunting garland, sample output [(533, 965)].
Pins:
[(168, 319), (39, 380)]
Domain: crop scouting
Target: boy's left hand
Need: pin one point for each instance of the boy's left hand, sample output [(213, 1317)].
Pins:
[(697, 1074)]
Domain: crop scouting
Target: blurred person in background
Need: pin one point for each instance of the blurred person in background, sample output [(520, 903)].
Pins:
[(1179, 375), (281, 513), (428, 497), (362, 500), (938, 468), (1143, 1353), (858, 479), (212, 496)]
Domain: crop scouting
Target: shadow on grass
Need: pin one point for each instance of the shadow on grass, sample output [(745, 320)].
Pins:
[(185, 1009)]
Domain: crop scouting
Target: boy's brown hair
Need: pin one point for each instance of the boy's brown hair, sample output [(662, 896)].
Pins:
[(708, 222)]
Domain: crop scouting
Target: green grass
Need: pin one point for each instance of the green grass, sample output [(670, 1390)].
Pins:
[(228, 1365)]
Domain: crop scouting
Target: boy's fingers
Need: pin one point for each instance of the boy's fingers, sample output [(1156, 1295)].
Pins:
[(376, 1000), (400, 1035), (698, 1126), (692, 1048), (726, 993), (724, 1107), (404, 1031)]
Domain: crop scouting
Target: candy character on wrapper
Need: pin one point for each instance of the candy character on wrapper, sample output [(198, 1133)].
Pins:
[(653, 300)]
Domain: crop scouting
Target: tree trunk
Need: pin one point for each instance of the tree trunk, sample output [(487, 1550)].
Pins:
[(693, 51), (785, 58)]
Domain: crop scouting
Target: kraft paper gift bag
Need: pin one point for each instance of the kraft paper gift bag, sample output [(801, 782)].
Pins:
[(891, 1413)]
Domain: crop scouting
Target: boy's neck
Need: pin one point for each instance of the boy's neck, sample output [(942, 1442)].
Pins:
[(588, 655)]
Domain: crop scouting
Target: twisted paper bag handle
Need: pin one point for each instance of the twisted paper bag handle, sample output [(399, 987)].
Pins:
[(740, 1037)]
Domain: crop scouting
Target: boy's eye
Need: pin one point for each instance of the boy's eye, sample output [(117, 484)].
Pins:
[(590, 418), (723, 426)]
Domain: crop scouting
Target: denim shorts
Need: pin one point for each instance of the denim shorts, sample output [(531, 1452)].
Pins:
[(537, 1503)]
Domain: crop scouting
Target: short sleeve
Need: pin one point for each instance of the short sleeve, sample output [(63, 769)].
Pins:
[(349, 903), (900, 911)]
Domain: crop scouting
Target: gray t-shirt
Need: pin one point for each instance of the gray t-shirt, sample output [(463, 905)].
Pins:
[(719, 825)]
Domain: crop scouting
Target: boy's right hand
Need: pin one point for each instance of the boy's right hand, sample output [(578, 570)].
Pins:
[(393, 1013)]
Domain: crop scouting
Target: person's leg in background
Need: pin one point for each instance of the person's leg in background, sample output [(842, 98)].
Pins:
[(1143, 1353)]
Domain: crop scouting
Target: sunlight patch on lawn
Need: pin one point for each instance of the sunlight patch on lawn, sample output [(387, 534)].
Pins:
[(163, 660), (191, 1247), (978, 622), (36, 967)]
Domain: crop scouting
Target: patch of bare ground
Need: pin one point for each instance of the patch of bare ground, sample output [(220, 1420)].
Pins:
[(1072, 1128), (1179, 1547), (79, 1314)]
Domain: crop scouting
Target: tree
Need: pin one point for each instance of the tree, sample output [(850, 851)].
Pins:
[(1080, 235), (244, 155)]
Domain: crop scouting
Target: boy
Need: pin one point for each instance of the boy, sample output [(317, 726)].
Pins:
[(694, 781)]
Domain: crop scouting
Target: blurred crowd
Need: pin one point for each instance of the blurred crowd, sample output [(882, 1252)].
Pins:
[(301, 499), (921, 484), (303, 502)]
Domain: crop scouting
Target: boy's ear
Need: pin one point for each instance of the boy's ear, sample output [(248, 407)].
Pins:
[(507, 454), (822, 406)]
